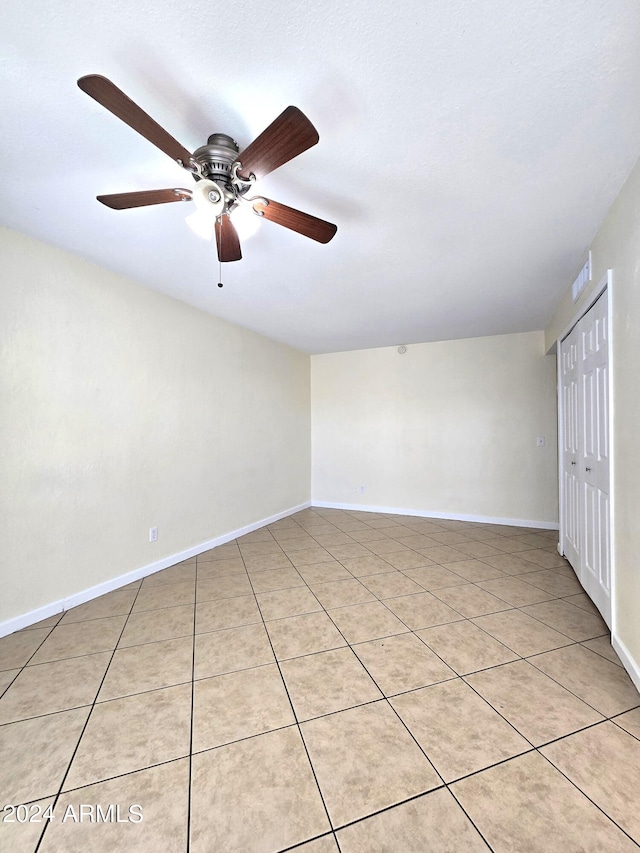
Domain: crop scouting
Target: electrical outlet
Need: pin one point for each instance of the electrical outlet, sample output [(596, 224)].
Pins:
[(361, 490), (540, 441), (153, 534)]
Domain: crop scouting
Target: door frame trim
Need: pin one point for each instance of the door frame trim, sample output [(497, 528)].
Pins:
[(605, 283)]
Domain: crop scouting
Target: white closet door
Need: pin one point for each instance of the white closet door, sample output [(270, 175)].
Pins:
[(571, 421), (585, 458), (594, 458)]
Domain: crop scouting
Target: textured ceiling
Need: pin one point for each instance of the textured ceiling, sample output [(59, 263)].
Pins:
[(468, 152)]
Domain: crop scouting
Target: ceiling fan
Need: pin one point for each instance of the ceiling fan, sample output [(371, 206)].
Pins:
[(222, 174)]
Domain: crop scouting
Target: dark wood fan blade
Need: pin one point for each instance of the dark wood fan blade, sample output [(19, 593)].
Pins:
[(227, 241), (123, 201), (114, 100), (296, 220), (286, 137)]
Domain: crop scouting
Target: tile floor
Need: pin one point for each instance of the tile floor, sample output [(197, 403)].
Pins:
[(338, 681)]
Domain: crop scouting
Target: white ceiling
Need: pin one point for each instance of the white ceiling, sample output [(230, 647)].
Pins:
[(469, 150)]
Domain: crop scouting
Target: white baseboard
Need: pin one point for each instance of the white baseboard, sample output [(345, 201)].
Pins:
[(63, 604), (628, 661), (451, 516)]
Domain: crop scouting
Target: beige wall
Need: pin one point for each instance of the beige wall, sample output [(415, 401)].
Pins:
[(617, 247), (124, 409), (447, 427)]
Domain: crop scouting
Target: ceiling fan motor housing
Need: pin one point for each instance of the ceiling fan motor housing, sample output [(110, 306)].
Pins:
[(217, 156)]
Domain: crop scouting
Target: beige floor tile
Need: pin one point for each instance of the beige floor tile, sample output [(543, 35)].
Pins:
[(457, 729), (514, 591), (366, 536), (6, 677), (524, 635), (151, 625), (265, 562), (391, 585), (477, 550), (16, 649), (630, 722), (604, 762), (568, 619), (299, 543), (416, 540), (552, 582), (239, 705), (435, 577), (422, 610), (223, 552), (582, 600), (326, 844), (80, 638), (132, 733), (17, 837), (465, 647), (35, 754), (401, 663), (51, 687), (510, 564), (325, 572), (311, 556), (227, 613), (304, 635), (348, 552), (526, 806), (165, 595), (450, 537), (272, 770), (600, 683), (341, 593), (162, 792), (365, 566), (116, 603), (545, 559), (361, 622), (217, 589), (539, 708), (148, 667), (406, 559), (443, 554), (174, 574), (275, 579), (469, 600), (327, 682), (220, 568), (602, 646), (326, 540), (478, 533), (266, 545), (474, 570), (287, 602), (383, 546), (231, 650), (365, 760), (433, 822), (508, 545)]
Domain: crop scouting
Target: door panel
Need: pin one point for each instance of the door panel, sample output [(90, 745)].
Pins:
[(585, 462)]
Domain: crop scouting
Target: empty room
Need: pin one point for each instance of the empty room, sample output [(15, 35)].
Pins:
[(318, 427)]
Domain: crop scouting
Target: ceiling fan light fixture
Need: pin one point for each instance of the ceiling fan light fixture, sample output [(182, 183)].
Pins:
[(201, 223), (245, 220)]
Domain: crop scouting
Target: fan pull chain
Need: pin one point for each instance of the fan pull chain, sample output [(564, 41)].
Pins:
[(218, 243)]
